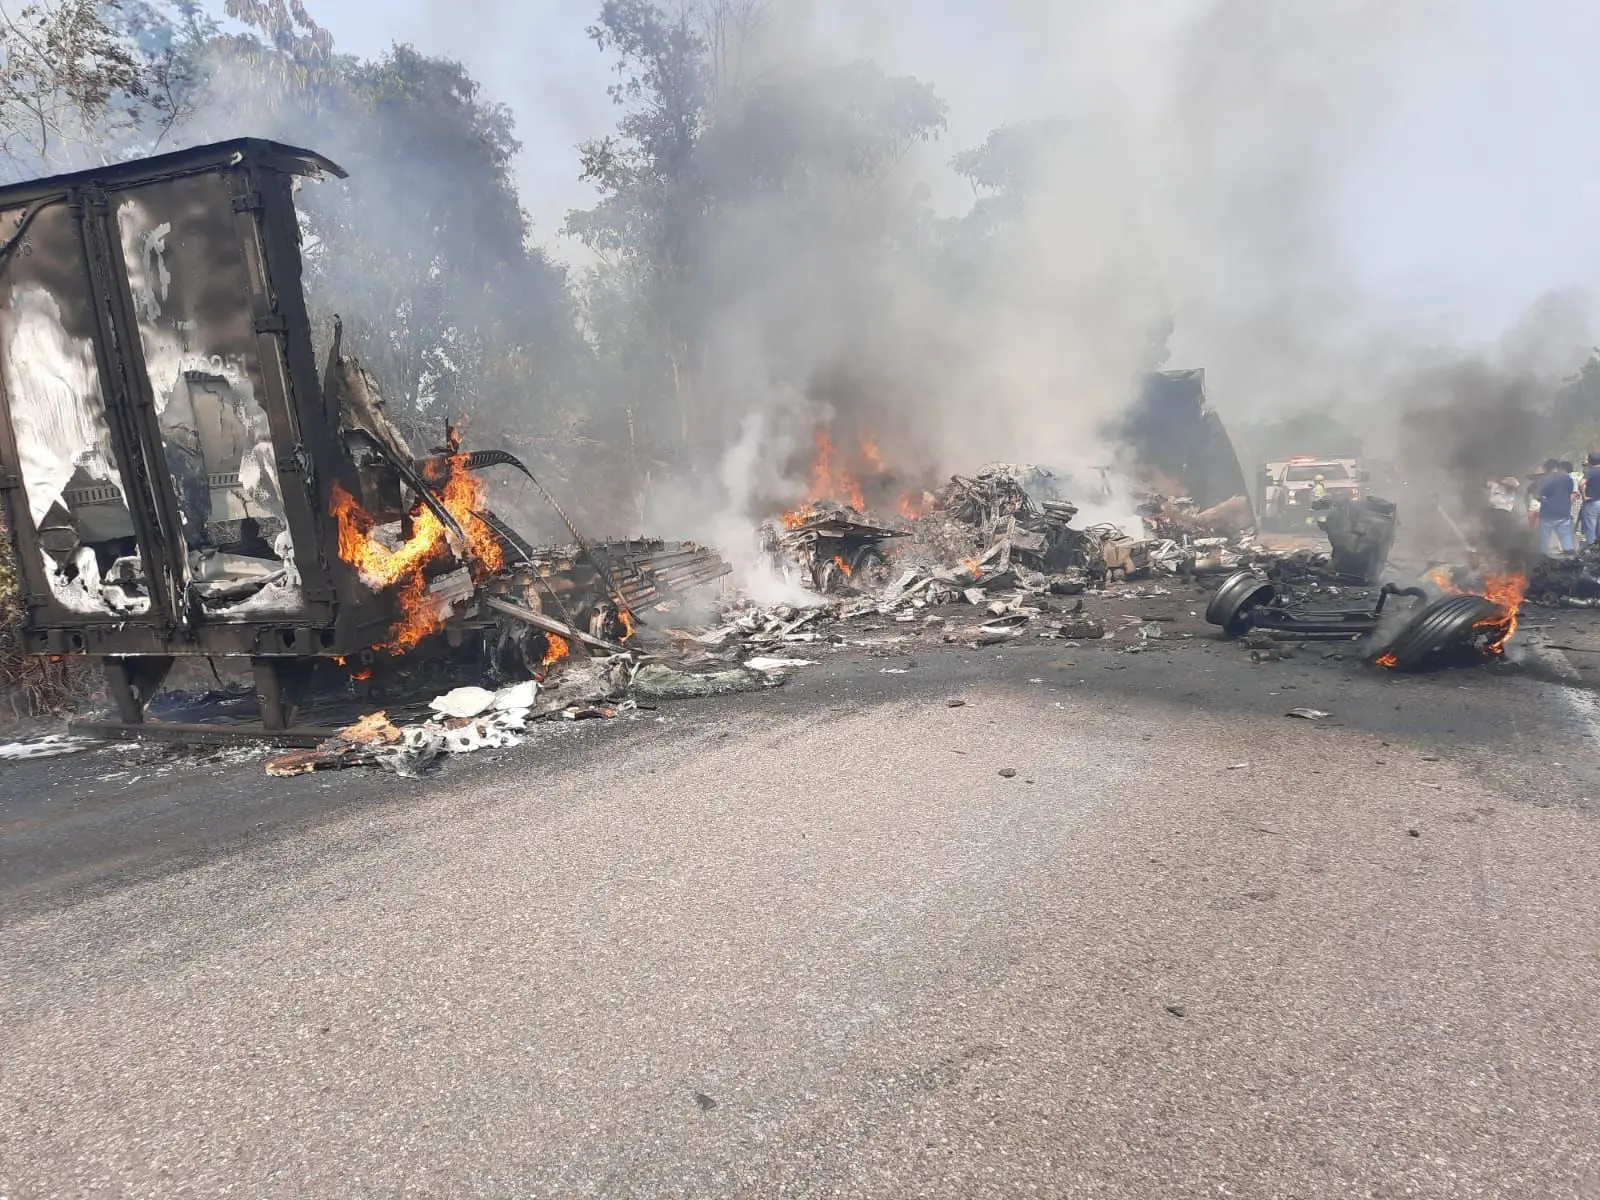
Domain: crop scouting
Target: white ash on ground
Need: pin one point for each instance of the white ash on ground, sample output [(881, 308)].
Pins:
[(471, 718)]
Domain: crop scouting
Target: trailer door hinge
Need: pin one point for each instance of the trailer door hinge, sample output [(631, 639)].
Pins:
[(247, 202), (272, 323)]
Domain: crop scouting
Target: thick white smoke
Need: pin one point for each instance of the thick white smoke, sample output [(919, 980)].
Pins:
[(1195, 153), (1211, 162)]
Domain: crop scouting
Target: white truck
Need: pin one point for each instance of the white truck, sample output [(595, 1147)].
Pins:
[(1289, 486)]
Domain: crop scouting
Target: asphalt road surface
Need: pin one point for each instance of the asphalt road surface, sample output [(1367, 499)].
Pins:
[(814, 942)]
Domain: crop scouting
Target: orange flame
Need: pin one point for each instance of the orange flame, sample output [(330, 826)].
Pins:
[(556, 649), (911, 508), (869, 452), (1506, 591), (628, 626), (838, 561), (830, 480), (357, 673), (971, 564), (403, 567)]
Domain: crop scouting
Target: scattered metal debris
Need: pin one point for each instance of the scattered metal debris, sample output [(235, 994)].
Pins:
[(48, 745)]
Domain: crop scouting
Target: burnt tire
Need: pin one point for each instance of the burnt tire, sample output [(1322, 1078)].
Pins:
[(870, 568), (1447, 622), (1234, 600)]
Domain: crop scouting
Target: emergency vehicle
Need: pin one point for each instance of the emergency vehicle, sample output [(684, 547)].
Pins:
[(1290, 485)]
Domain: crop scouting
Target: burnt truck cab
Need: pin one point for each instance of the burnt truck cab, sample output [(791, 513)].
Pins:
[(167, 449)]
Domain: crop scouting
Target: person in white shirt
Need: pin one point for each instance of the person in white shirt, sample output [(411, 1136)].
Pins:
[(1507, 522)]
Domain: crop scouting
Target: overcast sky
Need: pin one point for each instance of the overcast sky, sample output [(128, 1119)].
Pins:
[(1473, 190)]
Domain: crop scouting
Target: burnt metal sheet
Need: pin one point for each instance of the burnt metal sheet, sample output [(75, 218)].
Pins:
[(62, 469), (269, 155)]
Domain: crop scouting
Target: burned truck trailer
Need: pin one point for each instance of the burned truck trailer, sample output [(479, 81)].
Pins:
[(176, 475), (1172, 428), (165, 455)]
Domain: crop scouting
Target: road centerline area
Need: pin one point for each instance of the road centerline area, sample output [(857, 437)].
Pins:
[(794, 945)]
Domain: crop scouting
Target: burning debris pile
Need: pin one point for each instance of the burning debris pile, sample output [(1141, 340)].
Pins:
[(1002, 541), (1014, 528), (1567, 582), (463, 579), (827, 545), (999, 514), (980, 523)]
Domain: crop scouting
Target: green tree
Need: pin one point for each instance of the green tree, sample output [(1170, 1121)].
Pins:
[(1574, 421), (172, 37), (75, 87), (652, 200), (423, 251), (281, 50), (706, 144)]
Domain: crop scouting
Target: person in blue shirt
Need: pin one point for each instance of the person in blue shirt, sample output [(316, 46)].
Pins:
[(1589, 493), (1589, 514), (1555, 489)]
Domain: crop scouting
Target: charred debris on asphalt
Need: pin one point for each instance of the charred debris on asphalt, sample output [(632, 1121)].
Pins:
[(181, 481)]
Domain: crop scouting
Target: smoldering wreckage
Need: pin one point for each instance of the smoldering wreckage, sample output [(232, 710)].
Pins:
[(180, 480)]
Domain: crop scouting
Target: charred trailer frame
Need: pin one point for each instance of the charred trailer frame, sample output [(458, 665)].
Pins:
[(166, 448), (1173, 427)]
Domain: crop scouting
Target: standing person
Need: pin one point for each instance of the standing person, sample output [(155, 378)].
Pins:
[(1506, 528), (1589, 514), (1319, 490), (1509, 527), (1555, 508)]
